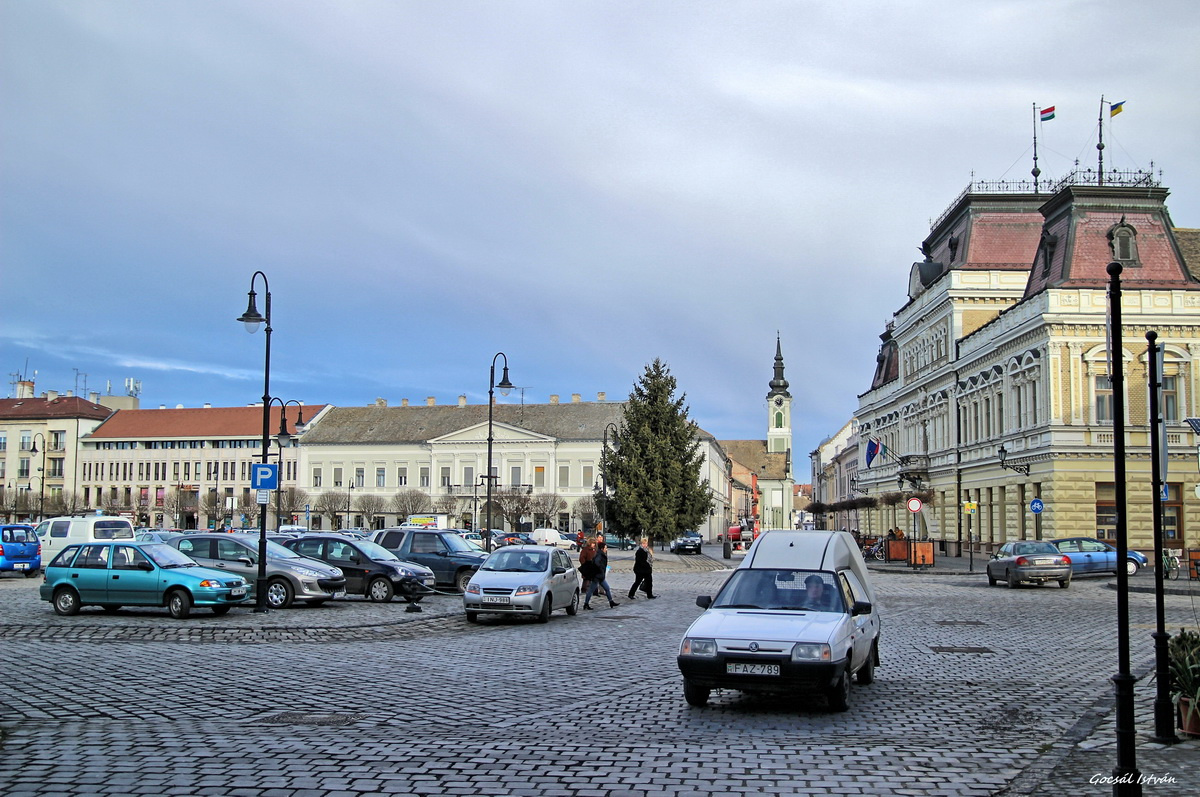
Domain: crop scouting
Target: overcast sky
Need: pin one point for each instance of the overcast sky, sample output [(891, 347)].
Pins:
[(585, 186)]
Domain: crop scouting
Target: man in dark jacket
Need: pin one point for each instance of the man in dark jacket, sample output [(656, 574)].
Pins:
[(643, 570), (599, 576)]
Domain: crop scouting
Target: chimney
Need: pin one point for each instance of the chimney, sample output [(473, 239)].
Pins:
[(25, 389), (70, 393), (51, 395), (462, 401), (162, 406), (380, 402), (431, 401), (93, 397), (601, 396), (180, 406), (207, 406), (553, 398), (403, 402), (576, 398)]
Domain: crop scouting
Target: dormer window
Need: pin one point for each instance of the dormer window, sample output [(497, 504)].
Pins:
[(1122, 239)]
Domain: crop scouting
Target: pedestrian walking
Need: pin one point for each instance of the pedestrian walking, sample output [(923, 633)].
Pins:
[(586, 554), (643, 570), (599, 576)]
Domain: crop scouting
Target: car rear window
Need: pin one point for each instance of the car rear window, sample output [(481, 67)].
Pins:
[(113, 530)]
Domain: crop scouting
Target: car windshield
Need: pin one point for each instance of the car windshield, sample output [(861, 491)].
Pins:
[(457, 543), (796, 590), (1026, 548), (376, 552), (508, 561), (165, 556)]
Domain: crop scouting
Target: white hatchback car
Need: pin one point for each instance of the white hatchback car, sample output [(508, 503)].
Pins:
[(533, 580), (797, 617)]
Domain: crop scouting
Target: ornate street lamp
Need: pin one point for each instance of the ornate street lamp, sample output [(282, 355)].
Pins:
[(604, 476), (252, 319), (42, 477), (505, 387), (1003, 455)]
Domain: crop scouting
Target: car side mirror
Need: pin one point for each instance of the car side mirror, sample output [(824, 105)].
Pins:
[(558, 571), (145, 566), (860, 607), (704, 601), (442, 553), (246, 560)]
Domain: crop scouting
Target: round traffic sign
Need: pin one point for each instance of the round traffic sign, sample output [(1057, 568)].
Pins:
[(914, 505), (1036, 506)]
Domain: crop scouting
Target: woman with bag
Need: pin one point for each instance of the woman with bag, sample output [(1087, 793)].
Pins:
[(586, 568), (643, 570), (599, 578)]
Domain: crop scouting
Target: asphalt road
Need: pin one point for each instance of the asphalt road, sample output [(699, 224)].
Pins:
[(356, 698)]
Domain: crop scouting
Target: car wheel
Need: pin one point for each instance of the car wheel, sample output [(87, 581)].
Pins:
[(462, 580), (695, 695), (280, 593), (573, 606), (472, 617), (32, 573), (179, 604), (866, 673), (839, 693), (110, 607), (220, 611), (991, 580), (66, 602), (1131, 567), (1012, 580), (380, 590), (1064, 583), (315, 604), (547, 607)]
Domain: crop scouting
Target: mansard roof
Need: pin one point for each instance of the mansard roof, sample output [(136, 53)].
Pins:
[(32, 409), (196, 422), (753, 455)]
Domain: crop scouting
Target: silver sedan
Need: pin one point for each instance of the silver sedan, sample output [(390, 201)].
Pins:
[(532, 580), (1029, 560)]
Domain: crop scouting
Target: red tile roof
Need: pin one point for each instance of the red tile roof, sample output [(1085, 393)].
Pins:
[(46, 409), (200, 422)]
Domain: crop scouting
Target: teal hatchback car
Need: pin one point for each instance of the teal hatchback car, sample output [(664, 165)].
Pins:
[(116, 574)]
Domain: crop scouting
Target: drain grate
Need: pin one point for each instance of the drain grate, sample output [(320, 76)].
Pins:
[(959, 622), (617, 617), (959, 649), (302, 718)]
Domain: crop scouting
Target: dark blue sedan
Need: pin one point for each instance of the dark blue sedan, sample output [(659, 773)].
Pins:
[(1095, 556)]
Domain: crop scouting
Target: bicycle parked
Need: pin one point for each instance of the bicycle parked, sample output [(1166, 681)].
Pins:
[(1170, 564)]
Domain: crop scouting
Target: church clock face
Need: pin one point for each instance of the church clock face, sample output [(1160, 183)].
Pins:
[(779, 401)]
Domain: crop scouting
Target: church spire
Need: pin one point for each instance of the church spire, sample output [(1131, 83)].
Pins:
[(779, 385)]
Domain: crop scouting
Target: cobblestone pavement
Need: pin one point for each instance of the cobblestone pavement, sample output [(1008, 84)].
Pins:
[(357, 698)]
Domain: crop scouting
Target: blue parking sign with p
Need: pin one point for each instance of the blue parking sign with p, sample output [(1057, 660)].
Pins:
[(264, 476)]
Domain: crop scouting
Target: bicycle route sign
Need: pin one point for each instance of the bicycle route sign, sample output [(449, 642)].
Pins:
[(1036, 506)]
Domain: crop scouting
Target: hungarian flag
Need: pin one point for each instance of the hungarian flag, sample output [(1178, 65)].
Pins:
[(1047, 114), (1116, 108)]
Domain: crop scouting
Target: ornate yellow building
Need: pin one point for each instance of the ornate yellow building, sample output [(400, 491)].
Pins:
[(992, 383)]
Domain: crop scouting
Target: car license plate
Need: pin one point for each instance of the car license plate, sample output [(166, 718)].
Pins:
[(20, 565), (1043, 561), (340, 594), (739, 668), (495, 599), (237, 592)]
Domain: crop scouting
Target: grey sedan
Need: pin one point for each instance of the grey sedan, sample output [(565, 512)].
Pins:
[(1029, 560), (533, 580)]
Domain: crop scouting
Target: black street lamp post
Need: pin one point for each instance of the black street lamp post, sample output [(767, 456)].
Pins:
[(42, 475), (505, 386), (604, 475), (252, 318)]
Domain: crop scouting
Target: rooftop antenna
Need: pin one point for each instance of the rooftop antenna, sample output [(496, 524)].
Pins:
[(78, 374), (1100, 144), (1036, 171)]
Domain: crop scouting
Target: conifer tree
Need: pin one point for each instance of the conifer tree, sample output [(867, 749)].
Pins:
[(653, 468)]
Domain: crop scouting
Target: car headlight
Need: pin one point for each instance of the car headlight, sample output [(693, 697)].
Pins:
[(308, 573), (810, 651), (698, 647), (210, 583), (403, 572), (472, 589), (528, 589)]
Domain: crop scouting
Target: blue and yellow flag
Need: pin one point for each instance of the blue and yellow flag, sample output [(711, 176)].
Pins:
[(1115, 108)]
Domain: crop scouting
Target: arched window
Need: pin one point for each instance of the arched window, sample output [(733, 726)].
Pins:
[(1122, 238), (779, 420)]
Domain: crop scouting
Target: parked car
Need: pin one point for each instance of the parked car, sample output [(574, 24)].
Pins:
[(533, 580), (57, 533), (1029, 560), (553, 537), (619, 543), (688, 542), (290, 577), (451, 558), (116, 574), (370, 569), (798, 616), (503, 538), (20, 550), (1095, 556), (156, 535)]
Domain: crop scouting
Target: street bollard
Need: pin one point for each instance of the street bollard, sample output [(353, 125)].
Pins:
[(727, 551)]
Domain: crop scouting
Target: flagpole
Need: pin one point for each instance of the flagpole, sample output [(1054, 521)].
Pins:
[(1100, 143), (1036, 171)]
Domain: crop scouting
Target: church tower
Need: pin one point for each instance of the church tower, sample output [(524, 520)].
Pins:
[(779, 408)]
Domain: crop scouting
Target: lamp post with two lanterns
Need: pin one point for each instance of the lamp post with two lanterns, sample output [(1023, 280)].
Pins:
[(505, 387), (41, 475)]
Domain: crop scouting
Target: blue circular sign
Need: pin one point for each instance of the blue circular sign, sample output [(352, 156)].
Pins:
[(1036, 506)]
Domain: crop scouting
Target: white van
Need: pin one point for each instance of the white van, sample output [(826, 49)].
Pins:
[(552, 537), (57, 533), (798, 617)]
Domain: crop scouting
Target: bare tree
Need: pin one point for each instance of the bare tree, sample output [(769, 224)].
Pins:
[(178, 503), (447, 504), (249, 509), (547, 506), (585, 510), (289, 502), (213, 505), (513, 503), (67, 502), (407, 503), (112, 503), (370, 506), (330, 504)]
